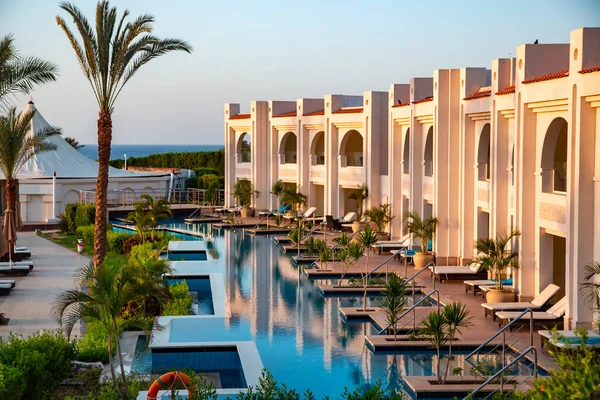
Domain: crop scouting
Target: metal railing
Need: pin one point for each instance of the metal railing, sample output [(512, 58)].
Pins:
[(502, 377), (338, 245), (130, 197), (384, 262), (414, 276), (414, 311)]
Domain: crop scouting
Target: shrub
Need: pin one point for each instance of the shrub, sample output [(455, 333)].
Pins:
[(12, 382), (213, 161), (141, 250), (116, 240), (93, 346), (43, 358), (70, 212), (180, 302), (87, 234), (129, 243), (84, 215)]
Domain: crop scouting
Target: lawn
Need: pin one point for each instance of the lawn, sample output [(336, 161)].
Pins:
[(69, 241)]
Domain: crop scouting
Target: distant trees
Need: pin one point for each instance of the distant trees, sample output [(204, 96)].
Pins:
[(201, 161)]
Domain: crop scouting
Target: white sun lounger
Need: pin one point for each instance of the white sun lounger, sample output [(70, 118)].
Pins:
[(554, 314), (16, 263), (389, 245), (10, 282), (538, 302), (457, 272), (307, 214), (548, 336)]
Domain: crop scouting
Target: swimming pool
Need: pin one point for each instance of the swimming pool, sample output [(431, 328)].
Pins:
[(299, 334), (184, 255)]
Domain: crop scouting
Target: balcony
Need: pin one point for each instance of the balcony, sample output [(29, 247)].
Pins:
[(428, 188), (317, 173), (243, 170), (351, 176), (553, 211), (352, 159), (288, 172), (406, 185), (483, 193)]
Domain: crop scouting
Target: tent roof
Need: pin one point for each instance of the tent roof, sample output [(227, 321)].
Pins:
[(65, 161)]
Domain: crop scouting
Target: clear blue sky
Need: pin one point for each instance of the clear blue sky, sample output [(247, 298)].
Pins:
[(274, 50)]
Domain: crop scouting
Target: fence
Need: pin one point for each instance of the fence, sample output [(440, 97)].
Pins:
[(129, 197)]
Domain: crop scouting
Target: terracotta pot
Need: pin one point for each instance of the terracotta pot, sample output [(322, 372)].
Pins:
[(383, 236), (500, 296), (247, 212), (595, 327), (356, 225), (422, 259)]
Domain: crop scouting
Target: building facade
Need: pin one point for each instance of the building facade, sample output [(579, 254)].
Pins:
[(486, 150)]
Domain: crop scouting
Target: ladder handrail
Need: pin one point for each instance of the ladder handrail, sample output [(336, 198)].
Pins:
[(380, 265), (415, 305), (258, 224), (530, 349), (314, 228), (195, 211), (338, 245), (501, 331)]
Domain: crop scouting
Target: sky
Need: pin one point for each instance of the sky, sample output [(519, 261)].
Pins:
[(274, 50)]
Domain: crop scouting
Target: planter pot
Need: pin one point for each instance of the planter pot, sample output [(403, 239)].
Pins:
[(500, 296), (383, 236), (422, 259), (247, 212), (356, 225)]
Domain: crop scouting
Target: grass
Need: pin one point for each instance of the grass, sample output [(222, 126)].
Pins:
[(69, 241)]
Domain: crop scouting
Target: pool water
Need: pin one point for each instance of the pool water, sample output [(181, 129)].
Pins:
[(577, 340), (184, 255), (299, 334)]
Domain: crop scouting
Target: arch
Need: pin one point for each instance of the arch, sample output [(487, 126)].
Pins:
[(148, 190), (288, 148), (406, 153), (71, 197), (428, 153), (554, 157), (483, 154), (317, 149), (351, 149), (244, 148)]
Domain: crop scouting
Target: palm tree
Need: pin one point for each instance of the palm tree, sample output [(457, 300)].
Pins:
[(292, 196), (591, 286), (277, 189), (151, 290), (17, 146), (433, 327), (74, 143), (19, 74), (394, 300), (359, 197), (156, 210), (422, 229), (495, 255), (324, 256), (367, 238), (109, 57), (456, 316), (142, 221)]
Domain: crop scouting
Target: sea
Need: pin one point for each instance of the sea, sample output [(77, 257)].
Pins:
[(141, 150)]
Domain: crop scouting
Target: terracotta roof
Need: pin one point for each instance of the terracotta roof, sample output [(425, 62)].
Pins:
[(588, 70), (548, 77), (240, 116), (310, 114), (506, 90), (430, 98), (348, 111), (287, 114), (478, 95), (401, 105)]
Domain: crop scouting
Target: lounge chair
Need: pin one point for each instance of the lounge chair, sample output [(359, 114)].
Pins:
[(404, 253), (538, 303), (389, 245), (474, 286), (5, 288), (10, 282), (332, 224), (569, 339), (9, 264), (22, 252), (307, 214), (553, 316), (458, 273)]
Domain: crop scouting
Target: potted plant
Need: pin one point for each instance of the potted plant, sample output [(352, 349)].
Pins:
[(359, 197), (379, 219), (348, 256), (242, 193), (422, 229), (496, 256), (591, 290), (292, 196)]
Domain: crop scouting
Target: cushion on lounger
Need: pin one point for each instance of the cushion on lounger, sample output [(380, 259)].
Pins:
[(474, 267), (545, 295)]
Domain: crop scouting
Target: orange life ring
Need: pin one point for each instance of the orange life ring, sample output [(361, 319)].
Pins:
[(166, 381)]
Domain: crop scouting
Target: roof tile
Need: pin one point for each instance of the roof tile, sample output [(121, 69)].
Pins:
[(506, 90), (429, 98), (287, 114), (348, 111), (310, 114), (479, 95), (548, 77), (240, 116), (591, 69)]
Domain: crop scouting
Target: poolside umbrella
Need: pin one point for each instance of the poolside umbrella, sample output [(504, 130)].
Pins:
[(10, 232)]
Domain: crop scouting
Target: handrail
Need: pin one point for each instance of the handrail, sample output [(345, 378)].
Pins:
[(314, 228), (530, 349), (501, 331), (412, 278), (258, 224), (195, 211), (381, 265), (338, 245), (412, 308)]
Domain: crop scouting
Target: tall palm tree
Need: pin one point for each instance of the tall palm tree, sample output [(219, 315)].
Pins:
[(277, 189), (156, 210), (456, 316), (19, 74), (367, 238), (109, 57), (17, 146), (292, 196), (74, 143)]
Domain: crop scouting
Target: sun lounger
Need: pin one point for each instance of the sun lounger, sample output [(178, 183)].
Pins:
[(12, 264), (10, 282), (22, 252), (16, 269), (537, 303), (568, 339), (389, 245), (5, 288), (307, 214), (457, 273), (554, 316), (474, 286)]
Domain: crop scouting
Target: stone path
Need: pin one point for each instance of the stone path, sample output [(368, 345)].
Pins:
[(29, 304)]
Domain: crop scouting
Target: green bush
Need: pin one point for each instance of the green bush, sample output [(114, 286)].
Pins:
[(180, 302), (93, 346), (12, 382), (70, 213), (43, 358), (87, 234), (213, 161), (85, 215), (116, 240), (141, 250)]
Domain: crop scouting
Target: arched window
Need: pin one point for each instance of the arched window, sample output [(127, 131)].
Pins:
[(288, 148), (244, 148), (351, 149), (406, 153), (483, 154), (317, 149), (428, 154), (554, 157)]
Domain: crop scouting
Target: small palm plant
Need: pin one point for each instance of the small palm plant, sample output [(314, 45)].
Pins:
[(421, 228), (457, 317), (324, 256), (292, 196), (157, 210), (277, 189), (141, 221), (359, 197), (496, 256), (310, 246), (591, 287), (367, 238), (433, 327), (394, 300)]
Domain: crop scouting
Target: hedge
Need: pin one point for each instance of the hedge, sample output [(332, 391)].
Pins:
[(87, 234), (116, 241), (93, 346), (180, 302), (70, 211), (214, 160), (85, 215)]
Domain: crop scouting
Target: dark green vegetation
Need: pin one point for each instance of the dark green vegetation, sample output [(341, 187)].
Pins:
[(203, 162)]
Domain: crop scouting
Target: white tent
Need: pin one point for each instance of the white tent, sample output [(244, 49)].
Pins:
[(66, 161)]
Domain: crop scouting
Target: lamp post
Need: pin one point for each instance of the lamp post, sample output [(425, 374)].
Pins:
[(125, 156)]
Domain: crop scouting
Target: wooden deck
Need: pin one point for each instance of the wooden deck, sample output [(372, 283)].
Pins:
[(264, 231)]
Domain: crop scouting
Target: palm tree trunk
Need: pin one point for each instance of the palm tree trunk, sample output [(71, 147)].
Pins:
[(365, 283), (449, 358), (118, 341), (110, 359), (104, 140), (437, 367), (11, 204)]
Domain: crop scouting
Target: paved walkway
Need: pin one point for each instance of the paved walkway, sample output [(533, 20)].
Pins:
[(29, 304)]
